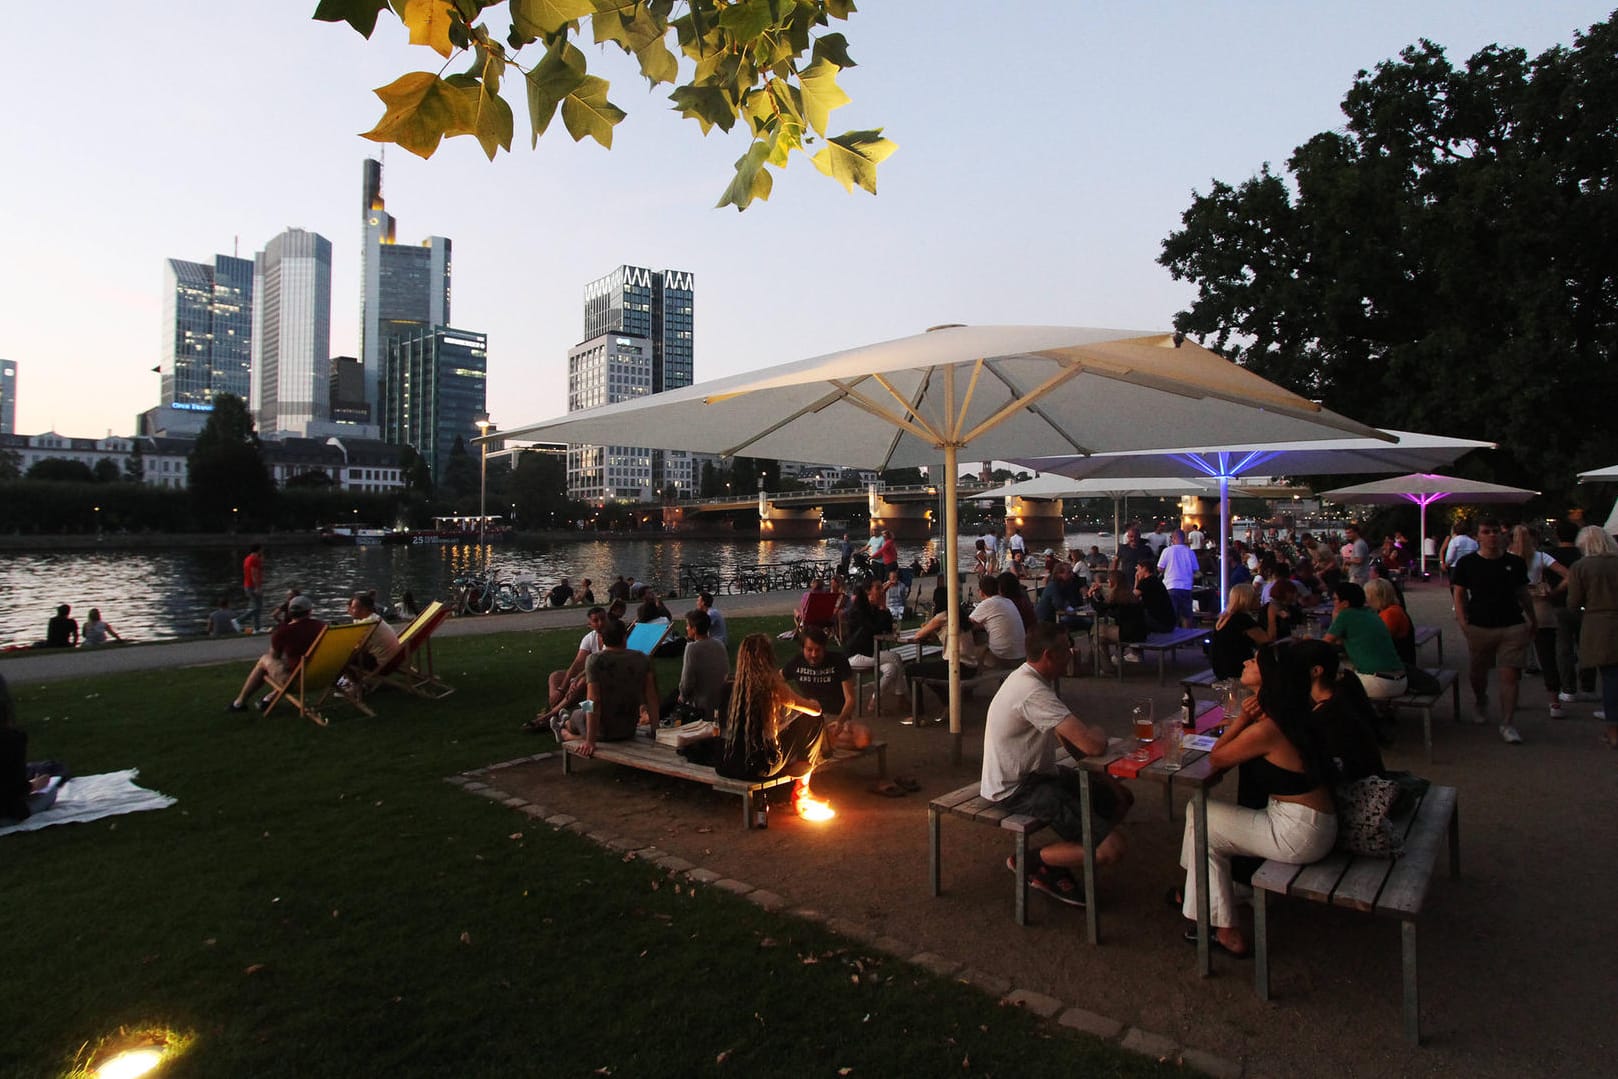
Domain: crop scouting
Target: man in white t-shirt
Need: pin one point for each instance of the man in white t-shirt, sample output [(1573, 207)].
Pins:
[(1178, 565), (1026, 719), (1159, 538), (1194, 539), (999, 617), (1356, 555), (567, 688), (1019, 551)]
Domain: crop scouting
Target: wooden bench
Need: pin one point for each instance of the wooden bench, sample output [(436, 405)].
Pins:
[(1202, 681), (1423, 703), (986, 676), (1422, 634), (968, 804), (1164, 644), (650, 755), (1394, 887)]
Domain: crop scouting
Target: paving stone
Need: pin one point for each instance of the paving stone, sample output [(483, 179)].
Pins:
[(938, 964), (515, 802), (578, 827), (647, 854), (1209, 1064), (894, 946), (767, 900), (809, 915), (542, 756), (506, 764), (848, 928), (624, 843), (1091, 1023), (537, 812), (459, 781), (992, 984), (1038, 1003), (735, 887), (1155, 1046), (474, 785), (674, 863), (602, 838), (703, 876), (492, 793), (561, 820)]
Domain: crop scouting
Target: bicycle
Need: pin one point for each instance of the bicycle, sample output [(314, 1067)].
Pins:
[(473, 594)]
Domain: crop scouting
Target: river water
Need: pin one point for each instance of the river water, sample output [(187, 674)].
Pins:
[(152, 595)]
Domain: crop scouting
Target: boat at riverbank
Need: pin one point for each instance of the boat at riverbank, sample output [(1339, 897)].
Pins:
[(463, 530), (362, 535)]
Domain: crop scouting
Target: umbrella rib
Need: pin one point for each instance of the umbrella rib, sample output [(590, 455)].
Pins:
[(813, 406), (898, 436), (966, 402), (923, 432), (1026, 400)]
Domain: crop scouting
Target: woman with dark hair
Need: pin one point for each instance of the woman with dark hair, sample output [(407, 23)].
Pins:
[(1119, 603), (1342, 714), (651, 609), (1280, 755), (769, 730), (1011, 587), (1282, 612)]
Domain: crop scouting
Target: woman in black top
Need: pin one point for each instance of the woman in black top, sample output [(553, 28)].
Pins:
[(1237, 633), (868, 619), (1342, 715), (651, 609), (1119, 603)]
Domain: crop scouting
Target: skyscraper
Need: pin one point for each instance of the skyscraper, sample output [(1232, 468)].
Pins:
[(637, 340), (8, 397), (403, 289), (207, 331), (434, 390), (291, 386)]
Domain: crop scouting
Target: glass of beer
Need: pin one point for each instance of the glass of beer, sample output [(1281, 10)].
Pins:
[(1145, 728)]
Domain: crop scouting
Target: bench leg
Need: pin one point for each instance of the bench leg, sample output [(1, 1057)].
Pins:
[(934, 842), (1427, 731), (1022, 878), (1440, 648), (747, 807), (1454, 698), (1204, 900), (1162, 658), (567, 761), (1092, 920), (882, 762), (1412, 992), (1261, 943), (1455, 842)]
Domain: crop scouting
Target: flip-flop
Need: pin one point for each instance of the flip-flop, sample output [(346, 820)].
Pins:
[(887, 789), (909, 783), (1218, 945)]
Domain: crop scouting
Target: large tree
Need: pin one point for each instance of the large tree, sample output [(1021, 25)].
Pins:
[(757, 61), (226, 467), (1446, 262)]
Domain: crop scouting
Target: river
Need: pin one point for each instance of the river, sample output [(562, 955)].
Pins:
[(155, 595)]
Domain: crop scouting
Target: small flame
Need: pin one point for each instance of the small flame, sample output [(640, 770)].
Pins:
[(808, 806)]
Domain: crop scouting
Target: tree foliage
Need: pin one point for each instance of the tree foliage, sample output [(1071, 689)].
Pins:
[(1445, 263), (759, 62), (226, 467), (61, 470)]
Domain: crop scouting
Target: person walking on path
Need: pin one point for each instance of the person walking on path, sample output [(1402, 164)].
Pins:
[(253, 585), (1496, 614), (1178, 564), (1593, 585)]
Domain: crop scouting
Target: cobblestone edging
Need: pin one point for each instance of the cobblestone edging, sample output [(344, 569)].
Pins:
[(1157, 1046)]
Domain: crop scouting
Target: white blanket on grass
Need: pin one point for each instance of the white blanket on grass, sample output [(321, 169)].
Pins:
[(84, 798)]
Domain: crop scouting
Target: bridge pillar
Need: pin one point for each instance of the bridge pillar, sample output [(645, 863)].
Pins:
[(906, 520), (789, 522), (1041, 521)]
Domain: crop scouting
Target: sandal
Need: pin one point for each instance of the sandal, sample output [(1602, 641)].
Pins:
[(909, 783), (1218, 945), (887, 788)]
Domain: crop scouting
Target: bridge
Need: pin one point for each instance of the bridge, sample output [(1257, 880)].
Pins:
[(920, 492)]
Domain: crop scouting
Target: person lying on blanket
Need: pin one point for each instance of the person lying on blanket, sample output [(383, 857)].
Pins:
[(26, 787)]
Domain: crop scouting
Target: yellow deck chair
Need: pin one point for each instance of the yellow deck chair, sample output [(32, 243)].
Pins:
[(314, 679), (411, 668)]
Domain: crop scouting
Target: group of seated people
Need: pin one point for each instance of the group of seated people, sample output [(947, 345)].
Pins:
[(63, 630), (297, 630)]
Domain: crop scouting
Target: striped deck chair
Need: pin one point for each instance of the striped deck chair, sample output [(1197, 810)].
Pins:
[(411, 668), (314, 680)]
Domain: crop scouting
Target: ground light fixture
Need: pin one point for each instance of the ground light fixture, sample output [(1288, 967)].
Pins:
[(131, 1063), (134, 1052)]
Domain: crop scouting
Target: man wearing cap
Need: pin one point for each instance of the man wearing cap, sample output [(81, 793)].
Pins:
[(288, 642)]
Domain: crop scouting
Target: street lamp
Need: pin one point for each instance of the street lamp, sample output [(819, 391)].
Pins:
[(483, 426)]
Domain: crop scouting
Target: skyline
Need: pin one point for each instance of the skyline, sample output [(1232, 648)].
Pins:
[(1041, 195)]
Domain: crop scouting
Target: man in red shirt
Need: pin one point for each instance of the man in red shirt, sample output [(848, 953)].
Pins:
[(290, 640), (253, 583)]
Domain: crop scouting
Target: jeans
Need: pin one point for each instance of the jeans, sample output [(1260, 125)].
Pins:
[(1283, 830)]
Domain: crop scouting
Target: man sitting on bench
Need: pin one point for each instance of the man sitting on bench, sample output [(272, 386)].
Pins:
[(566, 688), (621, 694), (1026, 719)]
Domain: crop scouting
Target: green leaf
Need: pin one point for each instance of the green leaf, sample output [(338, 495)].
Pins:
[(833, 48), (588, 113), (840, 9), (707, 105), (429, 22), (746, 20), (752, 179), (486, 115), (821, 94), (360, 14), (852, 157), (542, 18), (421, 109), (549, 82)]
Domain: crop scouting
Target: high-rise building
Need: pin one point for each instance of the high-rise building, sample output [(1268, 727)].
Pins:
[(8, 397), (207, 331), (403, 290), (291, 388), (637, 340), (434, 390), (348, 392)]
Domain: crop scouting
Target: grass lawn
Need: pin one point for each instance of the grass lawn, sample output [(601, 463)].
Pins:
[(319, 902)]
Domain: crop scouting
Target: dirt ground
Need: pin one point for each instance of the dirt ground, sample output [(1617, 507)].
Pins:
[(1517, 955)]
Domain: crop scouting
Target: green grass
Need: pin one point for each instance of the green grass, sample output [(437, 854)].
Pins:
[(320, 902)]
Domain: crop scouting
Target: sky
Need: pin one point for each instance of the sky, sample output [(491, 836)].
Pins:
[(1046, 148)]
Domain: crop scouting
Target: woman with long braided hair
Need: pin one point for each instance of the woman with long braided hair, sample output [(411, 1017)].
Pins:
[(769, 729)]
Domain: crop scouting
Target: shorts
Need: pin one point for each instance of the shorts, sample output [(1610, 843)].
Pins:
[(1056, 800), (1498, 646)]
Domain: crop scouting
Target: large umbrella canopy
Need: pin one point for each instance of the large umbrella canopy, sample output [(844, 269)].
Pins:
[(1390, 451), (1425, 488), (1599, 475), (998, 391)]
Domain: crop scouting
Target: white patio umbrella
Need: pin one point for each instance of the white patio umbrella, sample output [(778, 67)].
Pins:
[(1599, 475), (1119, 489), (1425, 488), (996, 391), (1390, 451)]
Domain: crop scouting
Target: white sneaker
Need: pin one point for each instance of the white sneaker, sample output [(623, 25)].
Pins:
[(1599, 713), (1509, 733), (1557, 711), (1566, 697)]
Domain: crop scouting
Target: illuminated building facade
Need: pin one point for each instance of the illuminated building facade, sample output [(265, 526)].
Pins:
[(404, 289), (207, 332), (291, 384), (435, 388)]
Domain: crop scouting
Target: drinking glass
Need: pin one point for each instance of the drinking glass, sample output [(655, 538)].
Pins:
[(1145, 728), (1173, 749)]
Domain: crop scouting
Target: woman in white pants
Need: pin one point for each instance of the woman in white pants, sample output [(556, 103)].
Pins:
[(1274, 745)]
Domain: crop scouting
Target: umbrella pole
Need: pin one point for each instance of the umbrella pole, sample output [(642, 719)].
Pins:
[(1224, 540), (952, 586), (1421, 553), (1116, 543)]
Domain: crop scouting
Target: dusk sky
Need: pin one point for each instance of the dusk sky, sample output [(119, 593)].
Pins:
[(1045, 150)]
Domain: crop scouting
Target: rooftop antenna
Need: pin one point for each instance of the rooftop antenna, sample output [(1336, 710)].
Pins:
[(236, 246)]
